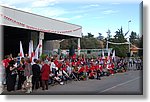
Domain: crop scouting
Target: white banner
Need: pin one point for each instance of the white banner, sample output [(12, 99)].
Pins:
[(118, 43)]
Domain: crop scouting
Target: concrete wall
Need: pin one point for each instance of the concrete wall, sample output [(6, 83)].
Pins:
[(50, 45)]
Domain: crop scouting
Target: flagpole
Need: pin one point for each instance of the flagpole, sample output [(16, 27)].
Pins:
[(128, 24), (129, 30), (108, 33)]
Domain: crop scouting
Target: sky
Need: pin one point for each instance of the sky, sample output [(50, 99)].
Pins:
[(95, 16)]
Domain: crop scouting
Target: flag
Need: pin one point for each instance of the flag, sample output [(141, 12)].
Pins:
[(103, 56), (108, 57), (40, 47), (108, 54), (113, 55), (21, 51), (38, 50), (31, 52), (36, 55)]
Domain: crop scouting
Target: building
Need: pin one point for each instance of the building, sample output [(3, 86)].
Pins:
[(23, 26), (134, 51)]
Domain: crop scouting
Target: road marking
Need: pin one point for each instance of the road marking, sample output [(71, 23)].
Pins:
[(119, 85)]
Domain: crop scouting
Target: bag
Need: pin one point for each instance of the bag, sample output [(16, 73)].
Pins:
[(26, 85)]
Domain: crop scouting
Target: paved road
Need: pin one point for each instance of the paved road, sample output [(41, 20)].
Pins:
[(129, 82)]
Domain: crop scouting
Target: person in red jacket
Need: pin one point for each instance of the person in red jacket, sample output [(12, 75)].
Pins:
[(111, 69), (45, 71)]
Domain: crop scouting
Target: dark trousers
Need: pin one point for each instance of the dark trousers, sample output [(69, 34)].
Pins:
[(76, 75), (91, 77), (21, 80), (44, 84), (130, 64), (54, 71), (11, 82), (35, 82), (98, 76)]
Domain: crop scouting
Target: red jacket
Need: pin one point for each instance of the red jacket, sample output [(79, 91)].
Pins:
[(81, 69), (112, 65), (6, 62), (64, 68), (45, 71), (56, 63), (93, 68)]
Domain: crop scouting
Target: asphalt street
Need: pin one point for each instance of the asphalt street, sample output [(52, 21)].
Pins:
[(127, 83)]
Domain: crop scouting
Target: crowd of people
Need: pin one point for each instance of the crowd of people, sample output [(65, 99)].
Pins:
[(31, 74)]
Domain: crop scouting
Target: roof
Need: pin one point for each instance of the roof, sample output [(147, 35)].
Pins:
[(21, 19)]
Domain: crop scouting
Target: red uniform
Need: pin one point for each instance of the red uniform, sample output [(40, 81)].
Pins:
[(64, 68), (111, 69), (78, 62), (73, 63), (74, 57), (87, 68), (112, 65), (91, 74), (81, 69), (100, 67), (56, 63), (93, 67), (97, 67), (59, 65), (6, 62), (67, 63), (45, 71)]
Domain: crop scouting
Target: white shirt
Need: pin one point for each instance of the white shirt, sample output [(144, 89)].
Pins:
[(52, 66)]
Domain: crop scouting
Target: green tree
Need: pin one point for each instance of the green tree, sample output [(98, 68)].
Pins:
[(100, 37), (90, 35), (141, 46), (134, 39), (121, 50), (67, 43), (87, 42)]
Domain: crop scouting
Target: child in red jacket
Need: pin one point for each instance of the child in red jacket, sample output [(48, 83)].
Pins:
[(45, 71)]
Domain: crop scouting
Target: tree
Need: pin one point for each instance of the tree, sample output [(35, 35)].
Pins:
[(87, 42), (91, 43), (90, 35), (134, 39), (141, 46), (121, 50), (109, 34), (100, 37), (67, 43), (119, 37)]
